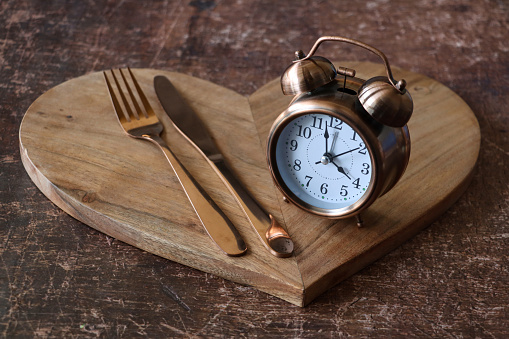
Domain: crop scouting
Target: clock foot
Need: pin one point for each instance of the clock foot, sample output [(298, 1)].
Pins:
[(360, 222)]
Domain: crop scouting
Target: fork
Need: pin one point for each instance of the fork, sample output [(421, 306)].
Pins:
[(144, 124)]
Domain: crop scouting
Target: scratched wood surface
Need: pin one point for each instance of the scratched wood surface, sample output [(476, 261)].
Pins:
[(76, 153), (61, 278)]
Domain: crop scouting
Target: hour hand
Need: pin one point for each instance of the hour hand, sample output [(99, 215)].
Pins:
[(341, 170)]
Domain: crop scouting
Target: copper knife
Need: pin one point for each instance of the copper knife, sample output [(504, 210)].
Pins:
[(273, 236)]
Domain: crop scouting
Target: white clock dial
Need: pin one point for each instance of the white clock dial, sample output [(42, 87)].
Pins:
[(324, 161)]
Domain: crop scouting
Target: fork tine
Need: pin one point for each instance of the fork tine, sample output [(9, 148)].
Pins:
[(130, 113), (137, 108), (116, 104), (143, 98)]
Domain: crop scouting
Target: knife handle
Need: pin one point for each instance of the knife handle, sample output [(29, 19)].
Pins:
[(216, 223), (272, 235)]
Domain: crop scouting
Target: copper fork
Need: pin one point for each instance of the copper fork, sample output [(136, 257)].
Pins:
[(144, 124)]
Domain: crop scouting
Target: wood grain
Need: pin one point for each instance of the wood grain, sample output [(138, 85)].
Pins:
[(60, 278), (78, 156), (445, 144)]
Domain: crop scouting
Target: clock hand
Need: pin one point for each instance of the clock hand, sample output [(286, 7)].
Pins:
[(326, 135), (334, 138), (337, 155), (341, 170), (340, 154)]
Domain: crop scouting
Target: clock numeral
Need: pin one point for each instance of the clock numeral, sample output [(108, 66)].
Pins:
[(354, 137), (296, 165), (343, 192), (363, 149), (337, 125), (356, 183), (315, 121), (323, 188), (365, 169), (293, 145), (304, 132), (309, 180)]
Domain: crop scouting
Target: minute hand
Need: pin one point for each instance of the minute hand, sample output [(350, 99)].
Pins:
[(340, 154)]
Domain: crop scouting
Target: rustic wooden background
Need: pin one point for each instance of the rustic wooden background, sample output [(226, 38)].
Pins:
[(59, 277)]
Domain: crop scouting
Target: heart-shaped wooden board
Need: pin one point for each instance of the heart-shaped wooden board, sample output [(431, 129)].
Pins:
[(77, 154)]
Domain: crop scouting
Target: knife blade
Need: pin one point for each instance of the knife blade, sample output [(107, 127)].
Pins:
[(273, 236)]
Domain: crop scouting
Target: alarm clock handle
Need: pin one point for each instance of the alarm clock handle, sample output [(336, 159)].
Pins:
[(399, 85)]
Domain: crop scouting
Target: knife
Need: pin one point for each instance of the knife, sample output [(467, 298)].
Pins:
[(272, 235)]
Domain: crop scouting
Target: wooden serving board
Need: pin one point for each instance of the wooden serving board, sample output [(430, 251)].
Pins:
[(76, 153)]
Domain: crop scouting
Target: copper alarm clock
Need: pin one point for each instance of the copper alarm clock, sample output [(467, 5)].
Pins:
[(343, 141)]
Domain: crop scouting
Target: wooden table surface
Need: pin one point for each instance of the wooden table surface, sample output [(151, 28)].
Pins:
[(60, 277)]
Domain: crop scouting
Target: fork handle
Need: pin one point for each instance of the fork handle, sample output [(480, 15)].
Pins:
[(216, 223), (273, 236)]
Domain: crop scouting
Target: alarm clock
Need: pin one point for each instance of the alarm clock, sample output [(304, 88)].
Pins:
[(343, 141)]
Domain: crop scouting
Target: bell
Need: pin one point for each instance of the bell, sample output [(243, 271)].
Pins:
[(385, 103), (307, 75)]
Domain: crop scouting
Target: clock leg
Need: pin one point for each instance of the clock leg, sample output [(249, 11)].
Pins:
[(360, 222)]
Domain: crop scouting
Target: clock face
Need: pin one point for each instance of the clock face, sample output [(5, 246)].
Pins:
[(324, 162)]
